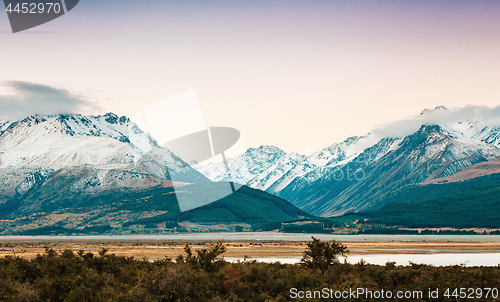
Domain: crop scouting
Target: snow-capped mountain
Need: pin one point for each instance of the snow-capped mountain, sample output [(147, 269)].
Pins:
[(112, 149), (74, 172), (356, 174), (472, 128), (430, 153), (271, 169), (340, 153), (477, 130), (259, 168)]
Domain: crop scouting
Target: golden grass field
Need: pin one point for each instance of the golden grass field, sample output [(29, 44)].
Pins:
[(251, 249)]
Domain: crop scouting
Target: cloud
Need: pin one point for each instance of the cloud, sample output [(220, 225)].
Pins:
[(25, 99), (444, 117)]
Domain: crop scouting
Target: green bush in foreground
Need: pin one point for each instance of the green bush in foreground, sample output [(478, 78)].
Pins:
[(323, 254), (81, 276)]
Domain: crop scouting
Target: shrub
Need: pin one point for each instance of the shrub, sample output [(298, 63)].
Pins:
[(323, 254), (206, 259)]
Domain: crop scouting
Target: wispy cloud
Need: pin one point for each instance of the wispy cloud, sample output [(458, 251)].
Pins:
[(26, 98), (482, 114)]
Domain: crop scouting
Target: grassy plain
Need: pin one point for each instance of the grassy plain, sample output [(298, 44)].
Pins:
[(250, 249)]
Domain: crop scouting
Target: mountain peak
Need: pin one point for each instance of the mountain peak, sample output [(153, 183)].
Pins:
[(112, 118), (34, 118), (429, 128), (265, 149), (438, 108)]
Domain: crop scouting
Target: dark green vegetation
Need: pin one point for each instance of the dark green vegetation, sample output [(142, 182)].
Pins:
[(419, 192), (246, 205), (475, 209), (81, 276), (316, 225), (474, 203), (153, 210), (359, 224), (206, 259), (321, 255)]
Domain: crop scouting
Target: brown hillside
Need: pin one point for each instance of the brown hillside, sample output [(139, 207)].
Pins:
[(477, 170)]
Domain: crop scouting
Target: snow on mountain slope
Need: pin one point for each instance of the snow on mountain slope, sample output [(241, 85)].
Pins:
[(490, 135), (296, 172), (271, 169), (340, 153), (478, 130), (258, 168), (68, 140), (312, 191), (472, 127), (32, 149)]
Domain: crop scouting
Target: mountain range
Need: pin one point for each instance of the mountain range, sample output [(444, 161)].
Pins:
[(362, 172), (53, 168), (74, 172)]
